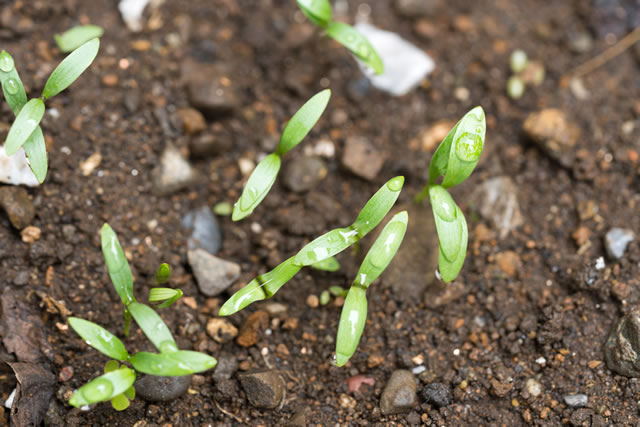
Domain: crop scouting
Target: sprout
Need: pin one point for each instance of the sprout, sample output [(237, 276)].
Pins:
[(264, 175), (25, 131), (515, 87), (518, 60), (454, 160), (324, 297), (77, 36), (116, 384), (319, 12)]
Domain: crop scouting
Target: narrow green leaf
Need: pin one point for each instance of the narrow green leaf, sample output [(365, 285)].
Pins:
[(318, 11), (77, 36), (103, 388), (99, 338), (163, 274), (168, 295), (260, 288), (257, 187), (379, 205), (153, 327), (175, 364), (120, 402), (468, 142), (383, 250), (440, 159), (117, 264), (327, 264), (358, 44), (71, 68), (352, 321), (36, 151), (25, 124), (447, 224), (450, 260), (303, 121), (12, 87)]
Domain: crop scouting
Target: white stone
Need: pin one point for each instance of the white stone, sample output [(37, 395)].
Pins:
[(15, 169)]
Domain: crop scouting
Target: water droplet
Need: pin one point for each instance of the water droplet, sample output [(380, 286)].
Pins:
[(469, 147), (98, 390), (350, 38), (396, 183), (12, 86), (6, 62), (363, 50), (168, 347)]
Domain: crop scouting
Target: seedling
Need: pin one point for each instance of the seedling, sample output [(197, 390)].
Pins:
[(525, 73), (264, 175), (319, 12), (454, 160), (116, 384), (25, 131), (72, 39)]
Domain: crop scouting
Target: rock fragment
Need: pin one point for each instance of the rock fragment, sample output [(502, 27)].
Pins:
[(213, 274), (362, 158), (497, 200), (174, 172), (554, 133), (437, 394), (162, 389), (622, 349), (16, 203), (399, 394), (304, 173), (264, 388), (616, 241)]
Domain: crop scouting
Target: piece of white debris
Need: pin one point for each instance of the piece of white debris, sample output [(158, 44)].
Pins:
[(15, 169), (600, 263), (9, 402), (131, 11), (541, 360), (405, 65)]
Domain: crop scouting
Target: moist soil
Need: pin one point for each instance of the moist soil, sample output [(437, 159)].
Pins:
[(515, 317)]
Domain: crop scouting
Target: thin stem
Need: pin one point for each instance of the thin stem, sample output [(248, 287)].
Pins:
[(419, 198), (127, 322)]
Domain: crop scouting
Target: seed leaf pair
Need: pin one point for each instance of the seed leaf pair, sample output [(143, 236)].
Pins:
[(454, 160), (265, 173), (319, 12)]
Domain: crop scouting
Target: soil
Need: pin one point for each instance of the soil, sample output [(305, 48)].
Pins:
[(509, 324)]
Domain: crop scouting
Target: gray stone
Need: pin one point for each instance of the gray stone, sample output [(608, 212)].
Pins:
[(399, 395), (22, 278), (206, 90), (161, 389), (576, 400), (226, 367), (299, 418), (264, 388), (616, 241), (174, 172), (416, 8), (437, 394), (205, 232), (533, 387), (213, 274), (16, 203), (304, 173), (580, 42), (622, 349), (497, 201), (362, 158)]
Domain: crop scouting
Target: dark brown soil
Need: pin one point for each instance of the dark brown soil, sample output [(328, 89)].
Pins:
[(483, 345)]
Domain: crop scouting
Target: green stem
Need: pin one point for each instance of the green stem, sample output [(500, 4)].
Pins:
[(127, 322)]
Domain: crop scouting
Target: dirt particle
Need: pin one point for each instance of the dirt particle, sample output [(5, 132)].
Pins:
[(252, 326), (221, 330)]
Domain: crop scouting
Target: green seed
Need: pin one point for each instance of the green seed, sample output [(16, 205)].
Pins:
[(324, 298)]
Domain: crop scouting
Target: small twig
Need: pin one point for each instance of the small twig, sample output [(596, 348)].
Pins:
[(227, 413), (599, 60)]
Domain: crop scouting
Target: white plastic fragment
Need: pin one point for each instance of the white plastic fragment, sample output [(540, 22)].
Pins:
[(405, 65), (9, 402), (600, 263), (131, 11), (15, 169)]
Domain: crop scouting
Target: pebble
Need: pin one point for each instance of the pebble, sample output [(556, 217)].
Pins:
[(206, 233), (161, 389), (299, 418), (174, 172), (213, 274), (399, 395), (429, 137), (131, 100), (210, 89), (221, 330), (226, 367), (357, 89), (580, 42), (304, 173), (362, 158), (437, 394), (206, 145), (313, 301), (15, 169), (30, 234), (576, 400), (251, 327), (264, 388), (616, 241), (21, 279), (16, 203), (508, 262), (554, 133), (533, 387), (622, 349), (496, 200), (192, 120), (415, 8)]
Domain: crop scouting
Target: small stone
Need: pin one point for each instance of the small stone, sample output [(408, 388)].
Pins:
[(496, 200), (132, 99), (264, 388), (399, 394), (66, 373), (429, 137), (210, 88), (161, 389), (355, 382), (552, 131), (500, 389), (21, 279), (374, 360), (533, 387), (226, 367), (437, 394), (174, 172), (275, 309), (508, 262), (69, 233), (299, 419), (192, 120), (357, 89), (313, 301), (304, 173), (110, 80), (580, 42), (362, 158), (206, 145), (581, 235), (246, 166), (616, 241), (622, 349), (221, 330), (213, 274), (30, 234), (16, 203), (206, 233), (252, 326), (576, 400), (90, 163), (347, 402)]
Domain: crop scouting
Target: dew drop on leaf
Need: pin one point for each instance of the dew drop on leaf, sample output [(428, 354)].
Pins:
[(12, 86), (469, 147), (6, 62), (395, 184), (98, 390)]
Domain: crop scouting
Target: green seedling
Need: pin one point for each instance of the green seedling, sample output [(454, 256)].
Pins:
[(319, 12), (525, 73), (116, 385), (72, 39), (454, 160), (325, 296), (265, 173), (25, 131), (328, 264)]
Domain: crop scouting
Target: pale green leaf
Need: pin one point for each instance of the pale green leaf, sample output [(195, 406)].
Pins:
[(257, 187), (303, 121), (351, 326), (77, 36), (358, 44), (99, 338), (318, 11), (25, 124), (174, 364), (153, 327), (117, 264), (103, 388), (71, 68)]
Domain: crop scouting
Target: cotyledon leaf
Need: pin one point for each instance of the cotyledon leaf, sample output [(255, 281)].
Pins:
[(36, 151), (303, 121), (468, 142), (71, 68), (103, 388), (351, 326), (77, 36), (257, 187), (117, 265), (183, 362), (26, 122), (318, 11), (448, 225), (153, 327), (449, 268), (99, 338), (358, 44)]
